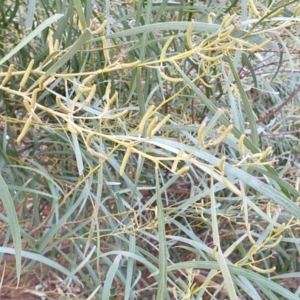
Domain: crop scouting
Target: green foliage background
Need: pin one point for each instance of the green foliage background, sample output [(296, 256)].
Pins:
[(162, 140)]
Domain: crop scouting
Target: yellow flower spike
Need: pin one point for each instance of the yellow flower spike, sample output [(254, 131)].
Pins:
[(74, 101), (223, 136), (71, 128), (165, 48), (89, 139), (27, 105), (211, 58), (241, 145), (96, 154), (24, 130), (256, 155), (8, 75), (160, 124), (26, 74), (228, 21), (243, 43), (231, 187), (268, 209), (107, 91), (225, 22), (204, 83), (100, 28), (276, 243), (263, 271), (222, 163), (50, 42), (200, 135), (182, 171), (297, 186), (145, 118), (125, 160), (84, 89), (130, 65), (224, 46), (34, 97), (105, 50), (225, 35), (112, 100), (119, 115), (176, 161), (180, 55), (210, 16), (260, 46), (249, 234), (189, 34), (214, 253), (31, 112), (42, 82), (56, 45), (253, 8), (36, 118), (62, 106), (151, 126), (155, 213), (252, 251), (276, 13), (88, 78), (295, 14), (279, 229), (265, 154), (202, 216), (170, 79), (91, 94)]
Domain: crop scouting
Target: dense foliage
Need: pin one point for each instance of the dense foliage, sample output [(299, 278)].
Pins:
[(154, 145)]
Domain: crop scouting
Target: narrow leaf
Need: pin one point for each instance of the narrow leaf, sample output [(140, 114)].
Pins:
[(12, 223)]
